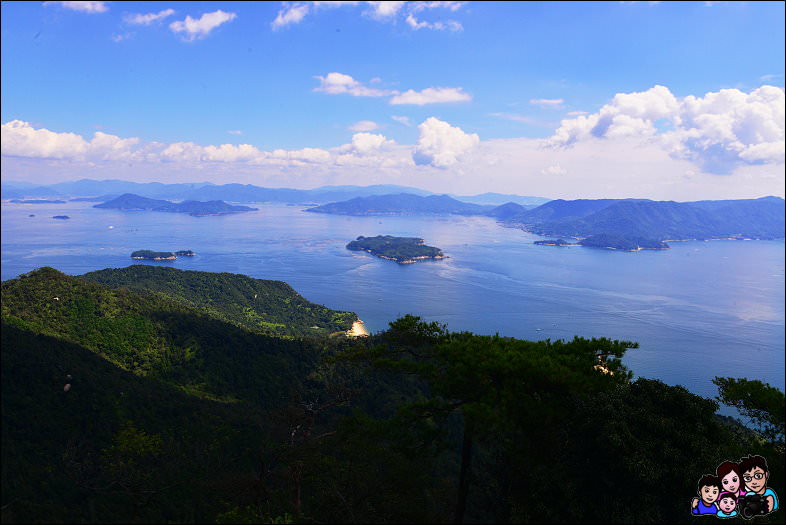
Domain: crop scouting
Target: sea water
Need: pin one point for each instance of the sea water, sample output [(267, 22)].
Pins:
[(698, 310)]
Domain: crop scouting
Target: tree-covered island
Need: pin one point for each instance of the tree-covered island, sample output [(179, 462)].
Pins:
[(150, 255), (403, 250)]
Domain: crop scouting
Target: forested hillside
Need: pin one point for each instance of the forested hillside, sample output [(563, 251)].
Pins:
[(146, 407), (257, 304)]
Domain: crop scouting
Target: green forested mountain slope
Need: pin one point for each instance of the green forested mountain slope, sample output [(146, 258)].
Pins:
[(152, 335), (116, 447), (174, 415), (257, 304)]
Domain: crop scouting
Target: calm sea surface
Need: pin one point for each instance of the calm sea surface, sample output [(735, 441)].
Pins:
[(698, 310)]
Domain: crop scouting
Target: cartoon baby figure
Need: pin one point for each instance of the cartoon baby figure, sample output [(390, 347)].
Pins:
[(727, 505), (709, 490)]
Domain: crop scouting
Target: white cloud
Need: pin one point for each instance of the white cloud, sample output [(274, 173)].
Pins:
[(416, 24), (440, 144), (369, 143), (554, 170), (339, 83), (547, 102), (235, 132), (717, 131), (85, 7), (149, 18), (293, 13), (308, 155), (431, 96), (384, 10), (110, 147), (401, 120), (364, 125), (195, 29), (23, 140), (290, 14)]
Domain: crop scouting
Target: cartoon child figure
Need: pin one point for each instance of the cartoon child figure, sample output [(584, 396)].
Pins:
[(730, 475), (727, 505), (755, 475), (709, 490)]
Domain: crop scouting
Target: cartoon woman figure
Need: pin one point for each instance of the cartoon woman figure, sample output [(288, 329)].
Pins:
[(730, 476)]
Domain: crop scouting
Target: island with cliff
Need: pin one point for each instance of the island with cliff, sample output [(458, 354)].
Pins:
[(403, 250)]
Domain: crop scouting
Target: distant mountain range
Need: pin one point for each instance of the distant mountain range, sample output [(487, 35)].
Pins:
[(761, 218), (402, 204), (86, 190), (129, 201), (630, 219)]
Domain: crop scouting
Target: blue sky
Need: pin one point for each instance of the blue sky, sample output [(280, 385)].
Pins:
[(671, 100)]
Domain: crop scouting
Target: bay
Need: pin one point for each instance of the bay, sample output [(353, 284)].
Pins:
[(699, 310)]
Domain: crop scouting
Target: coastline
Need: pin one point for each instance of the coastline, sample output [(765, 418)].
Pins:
[(358, 330)]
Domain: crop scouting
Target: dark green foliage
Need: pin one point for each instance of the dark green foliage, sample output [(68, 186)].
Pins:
[(761, 403), (114, 448), (266, 306), (399, 249), (401, 204), (214, 422)]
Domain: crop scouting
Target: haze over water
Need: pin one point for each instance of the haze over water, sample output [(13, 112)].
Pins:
[(698, 310)]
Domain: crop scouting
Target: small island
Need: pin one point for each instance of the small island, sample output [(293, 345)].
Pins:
[(61, 217), (403, 250), (151, 255), (556, 242)]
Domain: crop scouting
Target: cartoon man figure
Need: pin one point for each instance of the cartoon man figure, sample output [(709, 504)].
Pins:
[(727, 505), (709, 490), (755, 475)]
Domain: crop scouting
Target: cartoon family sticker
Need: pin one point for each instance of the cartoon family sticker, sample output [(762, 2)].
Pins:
[(736, 489)]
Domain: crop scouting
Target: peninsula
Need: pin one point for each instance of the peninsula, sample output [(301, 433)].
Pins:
[(403, 250), (610, 242)]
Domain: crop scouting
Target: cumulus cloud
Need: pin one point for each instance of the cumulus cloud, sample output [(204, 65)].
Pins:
[(23, 140), (85, 7), (717, 131), (440, 144), (369, 143), (339, 83), (431, 96), (196, 29), (149, 18), (364, 125)]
